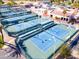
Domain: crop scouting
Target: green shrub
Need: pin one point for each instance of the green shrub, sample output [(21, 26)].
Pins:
[(68, 3), (65, 51), (1, 2), (21, 3), (64, 11), (11, 3), (76, 5)]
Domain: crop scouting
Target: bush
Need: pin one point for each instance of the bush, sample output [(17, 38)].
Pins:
[(11, 3), (57, 17), (76, 5), (65, 51), (68, 3), (21, 3), (1, 2), (64, 11), (57, 1)]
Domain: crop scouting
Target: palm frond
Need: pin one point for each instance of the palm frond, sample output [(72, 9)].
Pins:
[(13, 49)]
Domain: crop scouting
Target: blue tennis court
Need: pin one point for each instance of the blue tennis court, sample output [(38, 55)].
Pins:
[(25, 25), (46, 39), (16, 20), (41, 27), (12, 13), (21, 26), (19, 18), (44, 44), (58, 32), (15, 14), (4, 10), (4, 6)]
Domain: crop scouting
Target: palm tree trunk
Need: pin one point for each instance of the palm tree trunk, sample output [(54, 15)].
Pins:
[(1, 32), (2, 37)]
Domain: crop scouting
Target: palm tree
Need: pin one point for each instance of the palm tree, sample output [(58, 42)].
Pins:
[(14, 48), (1, 32)]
